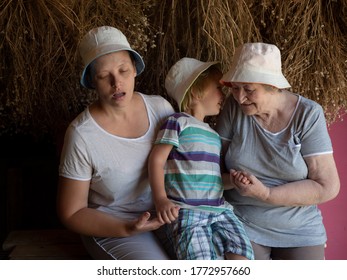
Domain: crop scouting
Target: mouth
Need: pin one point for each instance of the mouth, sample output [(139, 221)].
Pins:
[(117, 95)]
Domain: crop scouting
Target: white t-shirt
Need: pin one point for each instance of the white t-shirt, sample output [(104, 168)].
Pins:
[(116, 166)]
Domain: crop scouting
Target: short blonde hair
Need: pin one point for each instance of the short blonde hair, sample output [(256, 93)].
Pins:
[(198, 86)]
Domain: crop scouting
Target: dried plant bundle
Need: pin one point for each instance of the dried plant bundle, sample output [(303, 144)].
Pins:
[(40, 64)]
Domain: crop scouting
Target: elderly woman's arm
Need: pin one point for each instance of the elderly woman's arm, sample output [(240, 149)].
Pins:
[(322, 185), (72, 207)]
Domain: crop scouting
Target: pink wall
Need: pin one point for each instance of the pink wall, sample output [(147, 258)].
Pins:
[(335, 211)]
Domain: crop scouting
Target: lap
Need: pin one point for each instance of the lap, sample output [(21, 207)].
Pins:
[(205, 235), (296, 253), (143, 246)]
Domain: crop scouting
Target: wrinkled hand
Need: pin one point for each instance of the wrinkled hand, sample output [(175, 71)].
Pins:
[(248, 185), (167, 211)]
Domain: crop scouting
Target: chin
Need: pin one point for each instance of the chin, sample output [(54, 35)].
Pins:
[(248, 111)]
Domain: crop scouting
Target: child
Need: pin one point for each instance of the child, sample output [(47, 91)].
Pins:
[(184, 169)]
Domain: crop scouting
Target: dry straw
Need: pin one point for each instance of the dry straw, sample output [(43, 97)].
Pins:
[(312, 38), (40, 66)]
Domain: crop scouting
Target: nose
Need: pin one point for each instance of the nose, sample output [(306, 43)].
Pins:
[(115, 82), (239, 95)]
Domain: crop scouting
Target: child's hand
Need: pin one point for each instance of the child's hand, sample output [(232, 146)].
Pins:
[(167, 211), (248, 185), (240, 176)]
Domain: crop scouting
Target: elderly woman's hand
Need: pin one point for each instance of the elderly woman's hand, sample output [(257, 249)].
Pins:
[(248, 185)]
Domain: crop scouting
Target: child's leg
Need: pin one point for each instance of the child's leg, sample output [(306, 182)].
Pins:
[(192, 236), (230, 237), (232, 256)]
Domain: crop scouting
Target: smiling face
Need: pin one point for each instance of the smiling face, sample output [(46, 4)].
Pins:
[(253, 98), (113, 76)]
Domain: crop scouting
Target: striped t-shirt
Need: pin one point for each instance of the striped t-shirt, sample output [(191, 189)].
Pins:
[(192, 171)]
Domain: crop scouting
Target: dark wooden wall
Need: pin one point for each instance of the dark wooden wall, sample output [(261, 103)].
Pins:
[(28, 184)]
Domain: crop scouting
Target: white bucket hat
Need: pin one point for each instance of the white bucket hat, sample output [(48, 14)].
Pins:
[(256, 63), (104, 40), (182, 75)]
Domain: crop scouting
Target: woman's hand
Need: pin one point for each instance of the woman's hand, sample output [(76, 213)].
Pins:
[(144, 224), (248, 185)]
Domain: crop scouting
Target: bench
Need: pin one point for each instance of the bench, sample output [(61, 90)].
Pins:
[(50, 244)]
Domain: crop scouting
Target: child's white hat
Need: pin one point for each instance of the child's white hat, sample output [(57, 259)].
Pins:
[(182, 75), (104, 40), (256, 63)]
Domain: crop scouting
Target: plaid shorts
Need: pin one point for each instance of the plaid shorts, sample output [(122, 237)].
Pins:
[(202, 235)]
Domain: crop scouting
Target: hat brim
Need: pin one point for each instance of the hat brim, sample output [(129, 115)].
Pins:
[(192, 78), (253, 77), (96, 53)]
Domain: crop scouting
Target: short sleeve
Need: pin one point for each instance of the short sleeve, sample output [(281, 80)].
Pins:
[(75, 161), (315, 139), (169, 132)]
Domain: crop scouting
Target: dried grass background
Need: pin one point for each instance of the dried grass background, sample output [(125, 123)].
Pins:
[(40, 65)]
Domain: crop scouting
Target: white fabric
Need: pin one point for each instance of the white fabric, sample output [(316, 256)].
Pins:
[(116, 166), (144, 246), (104, 40), (182, 75), (256, 63)]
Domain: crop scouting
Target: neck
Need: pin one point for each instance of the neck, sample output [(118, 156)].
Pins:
[(196, 114), (281, 108)]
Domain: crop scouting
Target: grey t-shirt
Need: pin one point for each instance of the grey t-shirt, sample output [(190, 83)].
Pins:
[(116, 166), (276, 159)]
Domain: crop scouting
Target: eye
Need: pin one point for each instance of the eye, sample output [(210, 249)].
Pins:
[(101, 76), (235, 88), (250, 91)]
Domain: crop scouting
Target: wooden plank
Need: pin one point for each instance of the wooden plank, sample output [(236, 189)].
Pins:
[(49, 252), (40, 237)]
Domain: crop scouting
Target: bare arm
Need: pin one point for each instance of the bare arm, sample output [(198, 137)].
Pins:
[(167, 211), (225, 145), (228, 183), (72, 208), (322, 185)]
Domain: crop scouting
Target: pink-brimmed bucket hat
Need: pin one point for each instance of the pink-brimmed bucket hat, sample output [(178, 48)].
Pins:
[(104, 40), (256, 63), (182, 75)]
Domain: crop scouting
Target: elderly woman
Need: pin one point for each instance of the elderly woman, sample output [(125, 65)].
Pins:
[(104, 192), (278, 140)]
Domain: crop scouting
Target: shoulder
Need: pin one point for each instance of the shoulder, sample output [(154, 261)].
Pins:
[(309, 103), (81, 125), (179, 116), (309, 110), (154, 99), (176, 120), (157, 104)]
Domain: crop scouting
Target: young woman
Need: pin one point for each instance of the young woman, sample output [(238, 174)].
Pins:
[(104, 192)]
